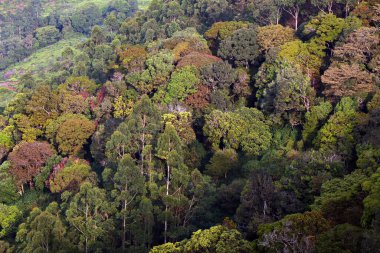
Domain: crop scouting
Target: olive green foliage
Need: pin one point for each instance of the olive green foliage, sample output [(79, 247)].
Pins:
[(9, 216), (233, 130), (8, 189), (47, 35), (43, 231), (70, 132), (189, 126), (241, 48), (314, 119), (371, 202), (218, 239), (70, 177), (222, 162), (337, 136), (182, 84)]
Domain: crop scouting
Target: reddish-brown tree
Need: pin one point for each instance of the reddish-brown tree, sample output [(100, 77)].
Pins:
[(27, 159)]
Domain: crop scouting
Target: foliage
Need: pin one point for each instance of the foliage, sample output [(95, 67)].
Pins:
[(165, 122), (216, 239), (232, 130)]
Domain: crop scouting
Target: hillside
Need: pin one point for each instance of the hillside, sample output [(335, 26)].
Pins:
[(190, 126)]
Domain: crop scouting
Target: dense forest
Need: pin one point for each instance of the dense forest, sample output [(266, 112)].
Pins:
[(193, 126)]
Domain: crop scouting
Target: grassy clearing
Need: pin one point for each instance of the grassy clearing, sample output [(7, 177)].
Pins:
[(70, 5), (5, 96), (43, 59)]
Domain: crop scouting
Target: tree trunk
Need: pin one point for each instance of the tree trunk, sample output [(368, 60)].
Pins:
[(166, 206), (124, 226)]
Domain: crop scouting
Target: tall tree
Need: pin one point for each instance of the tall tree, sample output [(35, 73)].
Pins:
[(136, 134), (293, 8), (128, 191), (169, 149), (43, 231), (88, 214)]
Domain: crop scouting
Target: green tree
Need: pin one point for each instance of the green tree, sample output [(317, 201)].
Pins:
[(47, 35), (158, 69), (85, 17), (293, 94), (294, 233), (88, 214), (336, 137), (70, 132), (241, 48), (218, 239), (169, 149), (43, 231), (315, 118), (233, 130), (293, 8), (128, 189), (9, 217), (70, 177), (182, 84), (371, 202), (8, 188), (136, 134), (222, 162)]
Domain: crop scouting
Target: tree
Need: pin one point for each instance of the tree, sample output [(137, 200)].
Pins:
[(293, 7), (324, 4), (336, 137), (42, 106), (158, 69), (8, 187), (27, 159), (324, 30), (70, 132), (233, 130), (298, 53), (315, 118), (135, 135), (257, 202), (343, 237), (88, 214), (132, 58), (347, 80), (79, 85), (293, 94), (358, 46), (222, 162), (348, 5), (182, 121), (266, 12), (371, 202), (220, 31), (43, 231), (271, 36), (169, 149), (241, 48), (218, 75), (128, 189), (70, 177), (295, 233), (9, 217), (218, 239), (182, 84), (85, 17), (341, 199), (47, 35)]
